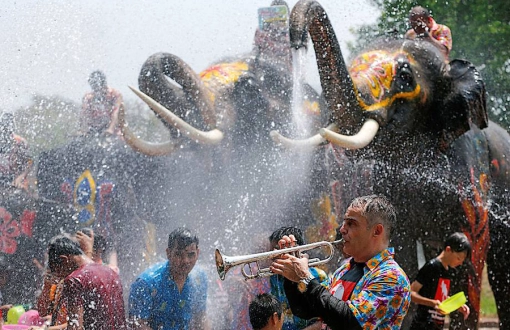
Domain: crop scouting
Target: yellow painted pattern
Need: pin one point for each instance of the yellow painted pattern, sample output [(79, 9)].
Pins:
[(86, 176), (224, 73), (377, 70), (311, 108)]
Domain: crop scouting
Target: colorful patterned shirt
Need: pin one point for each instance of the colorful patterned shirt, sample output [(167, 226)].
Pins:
[(381, 298), (439, 32)]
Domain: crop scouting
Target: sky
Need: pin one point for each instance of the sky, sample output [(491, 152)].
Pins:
[(50, 47)]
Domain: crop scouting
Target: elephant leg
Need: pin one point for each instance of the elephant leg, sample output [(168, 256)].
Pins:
[(499, 276)]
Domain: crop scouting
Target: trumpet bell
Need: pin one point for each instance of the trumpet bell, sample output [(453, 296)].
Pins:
[(220, 264)]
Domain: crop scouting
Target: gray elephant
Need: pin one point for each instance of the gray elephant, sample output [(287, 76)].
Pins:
[(408, 124)]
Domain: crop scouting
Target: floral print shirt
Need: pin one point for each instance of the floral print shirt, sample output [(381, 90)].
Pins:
[(381, 298)]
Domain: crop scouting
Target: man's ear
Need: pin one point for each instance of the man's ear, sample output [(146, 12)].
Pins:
[(274, 319), (378, 229), (167, 253)]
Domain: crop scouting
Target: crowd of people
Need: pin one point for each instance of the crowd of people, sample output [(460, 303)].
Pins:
[(369, 290)]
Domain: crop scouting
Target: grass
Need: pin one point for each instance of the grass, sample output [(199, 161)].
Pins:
[(487, 304)]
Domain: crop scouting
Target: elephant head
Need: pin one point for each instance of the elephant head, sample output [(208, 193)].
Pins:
[(240, 98), (394, 89), (190, 98)]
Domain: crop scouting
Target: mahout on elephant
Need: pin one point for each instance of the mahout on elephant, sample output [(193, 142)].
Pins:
[(406, 123)]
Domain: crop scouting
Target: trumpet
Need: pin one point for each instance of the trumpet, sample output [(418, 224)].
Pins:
[(225, 263)]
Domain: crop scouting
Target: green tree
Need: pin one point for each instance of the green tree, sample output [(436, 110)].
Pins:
[(51, 121), (481, 34)]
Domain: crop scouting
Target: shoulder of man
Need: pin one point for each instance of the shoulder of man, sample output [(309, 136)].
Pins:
[(198, 274), (154, 273)]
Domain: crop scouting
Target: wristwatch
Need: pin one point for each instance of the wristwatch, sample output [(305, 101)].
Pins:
[(303, 284)]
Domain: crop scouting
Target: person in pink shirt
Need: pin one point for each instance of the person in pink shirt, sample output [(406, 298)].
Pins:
[(423, 26)]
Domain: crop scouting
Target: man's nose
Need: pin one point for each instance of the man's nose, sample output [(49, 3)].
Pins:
[(343, 230)]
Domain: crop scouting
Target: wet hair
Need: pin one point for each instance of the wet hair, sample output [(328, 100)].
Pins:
[(61, 245), (286, 231), (376, 209), (418, 11), (99, 240), (458, 242), (181, 238), (262, 308), (97, 78)]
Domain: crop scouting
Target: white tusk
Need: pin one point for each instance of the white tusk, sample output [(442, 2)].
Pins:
[(310, 142), (146, 148), (211, 137), (365, 135)]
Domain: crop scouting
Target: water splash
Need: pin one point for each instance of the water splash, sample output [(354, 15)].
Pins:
[(300, 121)]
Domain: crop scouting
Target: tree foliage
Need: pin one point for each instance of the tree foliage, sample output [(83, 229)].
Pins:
[(51, 121), (481, 34)]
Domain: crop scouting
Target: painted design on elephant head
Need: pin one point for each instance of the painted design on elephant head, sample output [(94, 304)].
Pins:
[(224, 73), (311, 108), (92, 201), (374, 74), (84, 197)]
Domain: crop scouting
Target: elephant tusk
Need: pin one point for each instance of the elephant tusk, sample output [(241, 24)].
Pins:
[(365, 135), (137, 144), (211, 137), (310, 142)]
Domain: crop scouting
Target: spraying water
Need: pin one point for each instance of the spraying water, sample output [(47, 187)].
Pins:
[(299, 120)]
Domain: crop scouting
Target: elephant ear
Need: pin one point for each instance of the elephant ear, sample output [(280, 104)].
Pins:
[(466, 104)]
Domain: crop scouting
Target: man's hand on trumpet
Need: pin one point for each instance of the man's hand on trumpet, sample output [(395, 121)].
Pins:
[(292, 268)]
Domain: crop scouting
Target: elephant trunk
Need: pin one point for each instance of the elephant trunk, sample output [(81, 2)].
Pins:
[(183, 101), (308, 16)]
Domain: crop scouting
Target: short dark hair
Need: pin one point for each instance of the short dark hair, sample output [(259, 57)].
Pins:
[(97, 77), (376, 209), (61, 245), (181, 238), (286, 231), (458, 242), (418, 11), (262, 308)]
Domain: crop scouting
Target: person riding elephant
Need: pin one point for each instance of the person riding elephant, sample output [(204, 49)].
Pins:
[(423, 139)]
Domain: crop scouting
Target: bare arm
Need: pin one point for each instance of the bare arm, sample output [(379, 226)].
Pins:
[(75, 313), (419, 299), (114, 118)]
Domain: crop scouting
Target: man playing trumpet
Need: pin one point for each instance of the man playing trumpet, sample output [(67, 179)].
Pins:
[(370, 291)]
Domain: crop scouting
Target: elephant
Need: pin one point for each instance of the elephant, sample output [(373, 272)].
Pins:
[(234, 102), (407, 123), (96, 181), (229, 170)]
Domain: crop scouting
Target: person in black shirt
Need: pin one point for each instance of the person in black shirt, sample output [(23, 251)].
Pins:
[(432, 284)]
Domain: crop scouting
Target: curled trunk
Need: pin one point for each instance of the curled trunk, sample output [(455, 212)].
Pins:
[(338, 90), (188, 98)]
